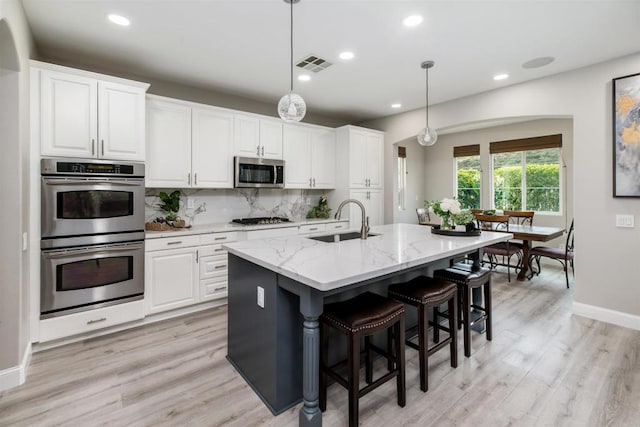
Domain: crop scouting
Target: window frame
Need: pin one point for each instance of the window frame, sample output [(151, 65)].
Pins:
[(523, 180)]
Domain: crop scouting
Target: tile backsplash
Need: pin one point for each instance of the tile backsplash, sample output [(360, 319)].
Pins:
[(207, 206)]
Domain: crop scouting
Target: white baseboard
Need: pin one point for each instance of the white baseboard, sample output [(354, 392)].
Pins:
[(619, 318), (17, 375)]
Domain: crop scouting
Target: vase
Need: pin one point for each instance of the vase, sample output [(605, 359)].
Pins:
[(446, 223)]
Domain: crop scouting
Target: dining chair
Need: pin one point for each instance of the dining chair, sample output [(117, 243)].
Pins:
[(505, 250), (520, 218), (423, 216), (563, 255)]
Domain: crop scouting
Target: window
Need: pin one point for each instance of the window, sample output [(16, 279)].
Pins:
[(402, 177), (526, 174), (468, 175)]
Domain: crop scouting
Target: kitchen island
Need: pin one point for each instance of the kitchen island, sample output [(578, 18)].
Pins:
[(277, 288)]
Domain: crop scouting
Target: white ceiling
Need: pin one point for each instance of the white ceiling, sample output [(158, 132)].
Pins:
[(241, 47)]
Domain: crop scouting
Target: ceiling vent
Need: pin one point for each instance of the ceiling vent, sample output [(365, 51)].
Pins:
[(313, 63)]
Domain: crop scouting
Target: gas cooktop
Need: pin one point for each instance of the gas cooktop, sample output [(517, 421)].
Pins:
[(261, 220)]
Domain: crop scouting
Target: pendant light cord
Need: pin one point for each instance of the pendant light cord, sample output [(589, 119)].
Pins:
[(291, 51), (427, 97)]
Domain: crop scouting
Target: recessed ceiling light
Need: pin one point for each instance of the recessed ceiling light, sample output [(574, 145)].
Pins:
[(396, 105), (118, 20), (304, 77), (346, 55), (538, 62), (500, 76), (412, 21)]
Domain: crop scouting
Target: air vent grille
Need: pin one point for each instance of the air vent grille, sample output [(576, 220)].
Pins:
[(313, 63)]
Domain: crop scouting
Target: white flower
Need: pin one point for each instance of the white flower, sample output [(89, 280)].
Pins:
[(450, 205)]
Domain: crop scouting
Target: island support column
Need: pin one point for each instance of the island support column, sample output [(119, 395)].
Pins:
[(311, 304)]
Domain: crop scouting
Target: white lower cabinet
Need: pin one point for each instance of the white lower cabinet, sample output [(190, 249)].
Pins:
[(183, 271), (373, 204), (90, 320)]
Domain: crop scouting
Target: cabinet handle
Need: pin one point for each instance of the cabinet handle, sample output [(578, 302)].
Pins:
[(219, 288), (220, 238), (314, 182), (195, 178), (218, 250), (103, 147), (263, 151), (102, 319), (189, 178), (93, 147), (257, 150), (174, 243), (337, 226), (313, 229), (197, 256), (310, 182), (218, 267)]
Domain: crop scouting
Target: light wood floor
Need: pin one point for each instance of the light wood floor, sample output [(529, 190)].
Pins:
[(544, 367)]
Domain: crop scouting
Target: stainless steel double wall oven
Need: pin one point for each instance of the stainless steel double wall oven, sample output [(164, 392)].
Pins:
[(92, 247)]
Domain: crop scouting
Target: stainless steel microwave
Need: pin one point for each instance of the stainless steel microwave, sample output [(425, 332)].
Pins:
[(258, 173)]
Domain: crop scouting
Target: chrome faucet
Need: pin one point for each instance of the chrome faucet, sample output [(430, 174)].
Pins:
[(364, 228)]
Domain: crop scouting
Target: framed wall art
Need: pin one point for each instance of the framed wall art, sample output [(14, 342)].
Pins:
[(626, 136)]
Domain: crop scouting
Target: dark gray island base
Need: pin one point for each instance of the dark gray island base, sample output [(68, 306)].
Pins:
[(276, 348)]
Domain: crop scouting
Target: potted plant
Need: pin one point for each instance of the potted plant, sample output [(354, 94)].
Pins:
[(321, 210), (170, 206)]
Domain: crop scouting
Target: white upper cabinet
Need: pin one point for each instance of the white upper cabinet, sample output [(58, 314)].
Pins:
[(121, 121), (211, 156), (309, 154), (82, 115), (365, 158), (188, 145), (168, 144), (257, 137)]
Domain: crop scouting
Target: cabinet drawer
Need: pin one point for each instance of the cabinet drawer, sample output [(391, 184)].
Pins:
[(213, 288), (311, 228), (218, 238), (171, 243), (337, 226), (271, 232), (87, 321), (213, 266), (211, 250)]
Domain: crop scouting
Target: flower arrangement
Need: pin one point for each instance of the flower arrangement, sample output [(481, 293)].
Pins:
[(450, 212)]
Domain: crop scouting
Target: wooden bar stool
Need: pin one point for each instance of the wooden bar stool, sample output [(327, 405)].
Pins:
[(363, 315), (469, 277), (424, 293)]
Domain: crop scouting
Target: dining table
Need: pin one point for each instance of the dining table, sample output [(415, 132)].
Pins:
[(526, 233)]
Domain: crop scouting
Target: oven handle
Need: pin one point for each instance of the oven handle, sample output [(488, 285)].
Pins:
[(91, 182), (66, 253)]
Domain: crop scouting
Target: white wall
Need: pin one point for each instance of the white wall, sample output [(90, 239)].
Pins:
[(14, 136), (606, 256), (415, 189)]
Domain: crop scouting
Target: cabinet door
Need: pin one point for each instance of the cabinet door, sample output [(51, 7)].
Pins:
[(271, 138), (212, 162), (323, 158), (355, 214), (357, 159), (171, 279), (69, 115), (297, 152), (375, 207), (121, 122), (168, 150), (246, 139), (375, 160)]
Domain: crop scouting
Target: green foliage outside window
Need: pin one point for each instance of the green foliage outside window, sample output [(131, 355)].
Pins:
[(469, 188), (543, 187)]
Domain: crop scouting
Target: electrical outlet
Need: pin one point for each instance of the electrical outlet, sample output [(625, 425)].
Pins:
[(260, 297), (25, 241), (191, 203)]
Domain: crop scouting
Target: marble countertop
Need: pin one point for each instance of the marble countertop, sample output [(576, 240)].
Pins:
[(327, 266), (230, 226)]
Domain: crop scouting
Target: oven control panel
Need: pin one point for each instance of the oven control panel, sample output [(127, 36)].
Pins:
[(74, 167)]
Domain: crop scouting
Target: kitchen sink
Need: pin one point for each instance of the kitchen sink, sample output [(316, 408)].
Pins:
[(333, 238)]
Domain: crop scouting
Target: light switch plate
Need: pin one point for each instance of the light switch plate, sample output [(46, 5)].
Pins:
[(625, 221)]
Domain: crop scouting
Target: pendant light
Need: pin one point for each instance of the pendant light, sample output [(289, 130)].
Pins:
[(427, 136), (291, 107)]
